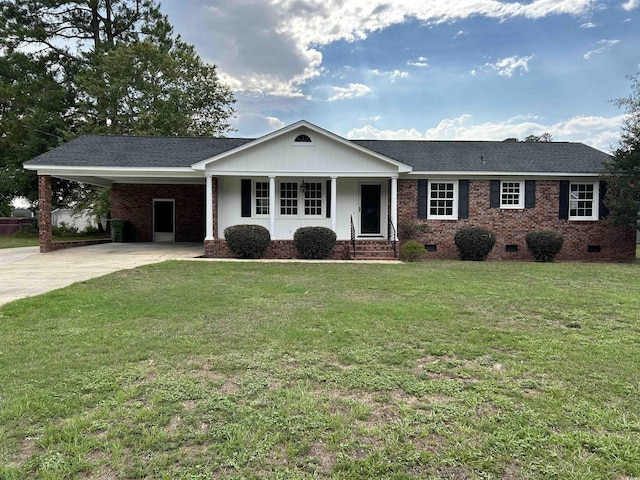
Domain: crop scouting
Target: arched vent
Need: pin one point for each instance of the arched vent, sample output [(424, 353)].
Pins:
[(303, 139)]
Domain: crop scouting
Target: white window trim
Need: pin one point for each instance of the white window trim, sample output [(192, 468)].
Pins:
[(520, 204), (456, 194), (323, 201), (596, 202), (279, 199), (254, 198), (301, 199)]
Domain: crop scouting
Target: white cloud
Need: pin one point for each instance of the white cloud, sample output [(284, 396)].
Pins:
[(375, 118), (507, 67), (371, 133), (599, 132), (392, 76), (253, 125), (631, 5), (605, 46), (352, 91), (422, 62), (588, 25), (281, 49)]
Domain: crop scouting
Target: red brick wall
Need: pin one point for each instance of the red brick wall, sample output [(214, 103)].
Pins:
[(134, 202), (277, 249), (44, 213), (511, 226)]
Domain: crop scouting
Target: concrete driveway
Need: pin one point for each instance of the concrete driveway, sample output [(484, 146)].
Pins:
[(25, 272)]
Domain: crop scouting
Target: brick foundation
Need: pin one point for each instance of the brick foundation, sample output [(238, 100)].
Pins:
[(511, 226), (278, 249), (134, 203)]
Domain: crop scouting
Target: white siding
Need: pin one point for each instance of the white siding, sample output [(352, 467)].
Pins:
[(348, 204), (282, 156)]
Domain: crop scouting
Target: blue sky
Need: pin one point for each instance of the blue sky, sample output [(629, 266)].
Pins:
[(421, 69)]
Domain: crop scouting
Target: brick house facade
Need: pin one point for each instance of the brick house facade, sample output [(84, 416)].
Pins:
[(303, 175), (583, 240)]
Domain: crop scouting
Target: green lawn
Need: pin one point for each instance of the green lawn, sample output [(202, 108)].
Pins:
[(449, 370), (15, 241)]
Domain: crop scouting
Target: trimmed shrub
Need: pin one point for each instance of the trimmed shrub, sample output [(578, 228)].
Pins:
[(544, 245), (314, 242), (474, 243), (412, 251), (247, 241)]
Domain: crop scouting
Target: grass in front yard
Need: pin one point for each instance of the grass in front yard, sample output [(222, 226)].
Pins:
[(15, 241), (252, 370)]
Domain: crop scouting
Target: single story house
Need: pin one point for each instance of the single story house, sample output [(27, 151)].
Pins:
[(179, 189)]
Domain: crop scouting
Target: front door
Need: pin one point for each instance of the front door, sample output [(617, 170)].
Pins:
[(370, 209), (163, 221)]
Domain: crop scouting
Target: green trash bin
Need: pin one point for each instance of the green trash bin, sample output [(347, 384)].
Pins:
[(117, 230)]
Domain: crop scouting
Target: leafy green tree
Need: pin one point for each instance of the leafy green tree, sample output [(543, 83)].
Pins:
[(545, 137), (69, 67), (146, 89), (623, 172), (33, 119)]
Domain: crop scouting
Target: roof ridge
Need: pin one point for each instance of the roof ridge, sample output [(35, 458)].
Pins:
[(109, 135)]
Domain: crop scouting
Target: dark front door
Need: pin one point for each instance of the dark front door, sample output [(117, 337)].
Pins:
[(163, 220), (370, 209)]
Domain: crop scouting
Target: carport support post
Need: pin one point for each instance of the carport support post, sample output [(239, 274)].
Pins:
[(44, 213)]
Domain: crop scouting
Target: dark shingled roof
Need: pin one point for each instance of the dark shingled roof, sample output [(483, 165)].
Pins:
[(131, 151), (426, 156), (472, 156)]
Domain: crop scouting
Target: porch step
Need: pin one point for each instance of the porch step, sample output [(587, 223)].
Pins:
[(374, 250)]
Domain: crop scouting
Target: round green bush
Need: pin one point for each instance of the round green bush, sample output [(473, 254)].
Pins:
[(412, 251), (474, 243), (247, 241), (314, 242), (544, 245)]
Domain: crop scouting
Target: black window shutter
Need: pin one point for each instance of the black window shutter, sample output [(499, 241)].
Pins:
[(329, 198), (563, 210), (463, 199), (422, 198), (529, 194), (494, 194), (245, 194), (602, 208)]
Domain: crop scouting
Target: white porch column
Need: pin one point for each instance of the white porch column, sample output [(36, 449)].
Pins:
[(334, 203), (209, 207), (394, 205), (272, 207)]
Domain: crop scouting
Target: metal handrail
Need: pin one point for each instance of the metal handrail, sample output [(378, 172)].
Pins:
[(353, 238), (392, 237)]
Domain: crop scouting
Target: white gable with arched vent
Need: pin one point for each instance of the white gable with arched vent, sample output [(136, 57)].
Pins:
[(302, 149)]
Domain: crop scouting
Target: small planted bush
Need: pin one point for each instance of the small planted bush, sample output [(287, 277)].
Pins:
[(247, 241), (314, 242), (544, 245), (474, 243), (412, 251)]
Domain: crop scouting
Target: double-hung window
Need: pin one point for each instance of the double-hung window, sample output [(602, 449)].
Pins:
[(289, 198), (443, 200), (511, 194), (262, 198), (313, 199), (583, 201)]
